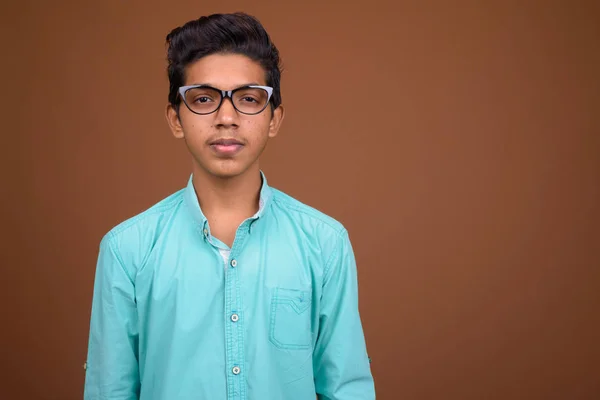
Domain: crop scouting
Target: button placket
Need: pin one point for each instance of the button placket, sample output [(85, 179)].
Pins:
[(234, 332)]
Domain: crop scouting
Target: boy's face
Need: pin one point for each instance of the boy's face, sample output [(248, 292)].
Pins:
[(225, 143)]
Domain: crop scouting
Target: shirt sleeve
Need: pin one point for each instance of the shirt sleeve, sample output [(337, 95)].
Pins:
[(341, 363), (112, 358)]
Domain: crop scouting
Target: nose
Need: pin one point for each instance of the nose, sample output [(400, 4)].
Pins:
[(227, 114)]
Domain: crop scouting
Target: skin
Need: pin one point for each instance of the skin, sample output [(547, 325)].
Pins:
[(230, 184)]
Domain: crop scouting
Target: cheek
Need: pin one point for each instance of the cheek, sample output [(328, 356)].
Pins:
[(257, 130), (197, 128)]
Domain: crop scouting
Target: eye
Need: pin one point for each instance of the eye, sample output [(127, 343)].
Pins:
[(201, 96), (202, 99), (248, 99)]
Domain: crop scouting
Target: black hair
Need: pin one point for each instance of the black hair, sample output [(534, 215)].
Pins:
[(236, 33)]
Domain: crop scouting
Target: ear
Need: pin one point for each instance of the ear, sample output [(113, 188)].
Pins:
[(174, 121), (276, 121)]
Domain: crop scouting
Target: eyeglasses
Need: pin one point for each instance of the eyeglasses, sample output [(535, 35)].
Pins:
[(203, 99)]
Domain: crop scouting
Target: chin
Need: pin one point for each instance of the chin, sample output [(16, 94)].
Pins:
[(225, 170)]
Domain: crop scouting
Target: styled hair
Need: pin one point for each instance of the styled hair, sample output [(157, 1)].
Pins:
[(236, 33)]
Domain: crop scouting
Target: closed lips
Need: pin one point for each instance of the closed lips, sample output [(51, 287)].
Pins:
[(226, 142)]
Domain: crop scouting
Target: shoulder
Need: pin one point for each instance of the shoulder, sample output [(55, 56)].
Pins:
[(133, 238), (148, 216), (324, 232), (306, 214)]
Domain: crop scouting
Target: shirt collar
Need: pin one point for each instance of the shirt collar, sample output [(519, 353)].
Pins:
[(191, 201)]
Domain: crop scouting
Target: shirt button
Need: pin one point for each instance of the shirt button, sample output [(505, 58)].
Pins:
[(235, 317), (236, 370), (233, 263), (205, 232)]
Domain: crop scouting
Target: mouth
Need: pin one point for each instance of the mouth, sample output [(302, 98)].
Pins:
[(226, 147), (225, 142)]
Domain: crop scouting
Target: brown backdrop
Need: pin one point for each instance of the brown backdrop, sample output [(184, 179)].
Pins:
[(458, 143)]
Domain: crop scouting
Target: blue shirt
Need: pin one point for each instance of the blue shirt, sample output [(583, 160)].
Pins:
[(176, 314)]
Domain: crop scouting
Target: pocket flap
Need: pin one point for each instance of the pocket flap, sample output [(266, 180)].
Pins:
[(299, 300)]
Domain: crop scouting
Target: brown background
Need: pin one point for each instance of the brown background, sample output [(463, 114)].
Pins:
[(459, 144)]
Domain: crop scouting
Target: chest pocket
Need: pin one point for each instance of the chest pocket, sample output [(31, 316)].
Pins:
[(290, 319)]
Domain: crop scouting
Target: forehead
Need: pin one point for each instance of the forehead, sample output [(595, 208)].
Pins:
[(225, 71)]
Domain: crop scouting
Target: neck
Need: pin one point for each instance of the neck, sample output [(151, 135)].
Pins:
[(234, 196)]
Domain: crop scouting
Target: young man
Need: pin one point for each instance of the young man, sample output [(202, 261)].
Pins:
[(229, 288)]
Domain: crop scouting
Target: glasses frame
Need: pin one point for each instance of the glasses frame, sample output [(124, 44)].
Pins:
[(224, 94)]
